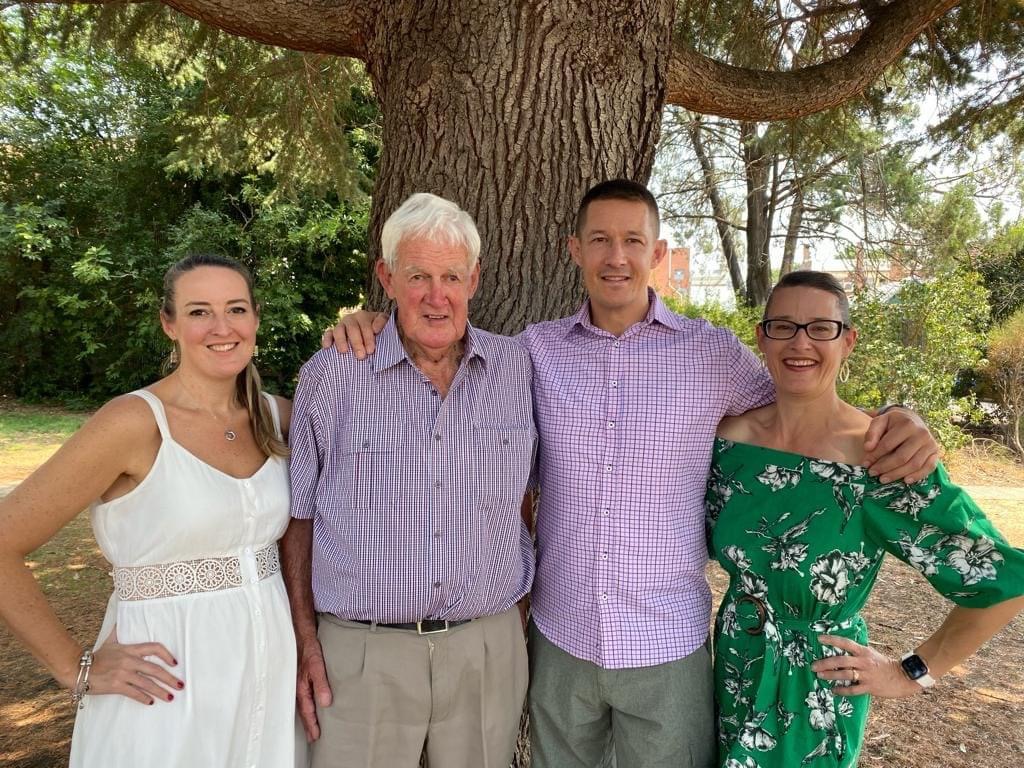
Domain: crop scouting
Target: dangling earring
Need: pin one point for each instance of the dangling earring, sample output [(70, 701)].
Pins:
[(172, 359), (256, 351), (844, 371)]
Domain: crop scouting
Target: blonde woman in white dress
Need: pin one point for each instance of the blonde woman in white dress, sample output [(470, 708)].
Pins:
[(188, 487)]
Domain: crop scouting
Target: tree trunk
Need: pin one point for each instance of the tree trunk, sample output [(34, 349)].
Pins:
[(718, 209), (757, 168), (513, 110), (796, 218)]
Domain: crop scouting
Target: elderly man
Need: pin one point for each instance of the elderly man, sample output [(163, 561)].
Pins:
[(628, 396), (406, 554)]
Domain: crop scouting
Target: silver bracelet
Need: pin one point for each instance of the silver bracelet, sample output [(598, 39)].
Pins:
[(82, 683)]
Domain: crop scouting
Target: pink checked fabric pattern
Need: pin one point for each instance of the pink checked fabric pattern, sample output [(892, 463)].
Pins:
[(626, 429), (415, 499)]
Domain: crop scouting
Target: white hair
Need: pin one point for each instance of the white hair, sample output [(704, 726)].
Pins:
[(431, 217)]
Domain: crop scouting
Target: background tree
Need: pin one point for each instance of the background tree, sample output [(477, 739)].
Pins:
[(90, 217), (1005, 370), (513, 110)]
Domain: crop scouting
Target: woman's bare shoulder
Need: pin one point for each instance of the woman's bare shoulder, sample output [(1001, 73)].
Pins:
[(746, 426)]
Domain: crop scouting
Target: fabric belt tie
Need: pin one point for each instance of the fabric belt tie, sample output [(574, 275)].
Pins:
[(422, 627), (189, 577), (824, 624)]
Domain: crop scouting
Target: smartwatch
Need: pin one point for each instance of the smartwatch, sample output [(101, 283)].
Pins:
[(915, 668)]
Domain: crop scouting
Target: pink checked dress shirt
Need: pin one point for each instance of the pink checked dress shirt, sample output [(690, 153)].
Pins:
[(626, 429)]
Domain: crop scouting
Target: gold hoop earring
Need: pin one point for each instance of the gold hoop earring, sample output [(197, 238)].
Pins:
[(844, 371)]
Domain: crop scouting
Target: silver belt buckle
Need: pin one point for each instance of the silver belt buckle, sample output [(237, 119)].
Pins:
[(421, 631)]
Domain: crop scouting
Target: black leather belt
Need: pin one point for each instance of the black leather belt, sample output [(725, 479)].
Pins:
[(424, 627)]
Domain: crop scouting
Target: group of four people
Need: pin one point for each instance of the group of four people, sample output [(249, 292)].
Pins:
[(409, 555)]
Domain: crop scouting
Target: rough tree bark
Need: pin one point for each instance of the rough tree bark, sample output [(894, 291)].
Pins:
[(515, 109)]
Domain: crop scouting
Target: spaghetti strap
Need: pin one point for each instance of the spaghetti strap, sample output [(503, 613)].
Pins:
[(158, 411), (274, 413)]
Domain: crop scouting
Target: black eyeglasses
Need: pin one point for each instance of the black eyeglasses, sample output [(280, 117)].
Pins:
[(819, 330)]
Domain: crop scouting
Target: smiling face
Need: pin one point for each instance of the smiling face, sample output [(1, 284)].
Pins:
[(801, 365), (432, 285), (616, 249), (214, 321)]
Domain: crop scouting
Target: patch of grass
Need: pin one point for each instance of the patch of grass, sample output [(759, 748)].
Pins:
[(35, 424)]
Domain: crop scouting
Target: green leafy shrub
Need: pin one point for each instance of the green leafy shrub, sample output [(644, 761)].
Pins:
[(913, 343)]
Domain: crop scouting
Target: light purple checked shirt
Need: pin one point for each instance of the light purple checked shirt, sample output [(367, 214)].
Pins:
[(415, 499), (626, 431)]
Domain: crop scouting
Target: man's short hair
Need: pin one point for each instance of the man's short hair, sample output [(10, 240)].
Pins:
[(433, 218), (618, 189)]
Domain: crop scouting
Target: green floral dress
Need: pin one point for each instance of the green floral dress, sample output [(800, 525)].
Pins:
[(802, 540)]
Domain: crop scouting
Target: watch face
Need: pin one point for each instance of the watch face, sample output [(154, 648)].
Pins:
[(914, 666)]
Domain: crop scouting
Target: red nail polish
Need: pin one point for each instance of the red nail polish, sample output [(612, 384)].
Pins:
[(180, 685), (174, 662), (170, 697)]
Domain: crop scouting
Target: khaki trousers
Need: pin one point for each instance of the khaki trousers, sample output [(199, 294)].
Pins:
[(460, 693)]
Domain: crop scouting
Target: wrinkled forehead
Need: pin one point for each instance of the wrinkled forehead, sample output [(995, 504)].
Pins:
[(431, 254)]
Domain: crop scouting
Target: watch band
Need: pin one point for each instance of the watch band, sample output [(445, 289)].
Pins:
[(915, 668)]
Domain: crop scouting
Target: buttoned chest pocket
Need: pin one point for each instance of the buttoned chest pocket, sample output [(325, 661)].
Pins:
[(504, 459), (374, 460)]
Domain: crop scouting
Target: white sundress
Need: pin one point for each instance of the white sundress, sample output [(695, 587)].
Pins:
[(196, 568)]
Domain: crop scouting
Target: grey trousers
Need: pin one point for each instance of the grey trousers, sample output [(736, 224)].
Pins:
[(583, 716), (459, 692)]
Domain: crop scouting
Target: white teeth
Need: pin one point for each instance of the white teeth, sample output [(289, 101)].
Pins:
[(801, 363), (223, 347)]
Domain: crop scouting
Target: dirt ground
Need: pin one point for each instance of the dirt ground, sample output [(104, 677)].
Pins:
[(973, 719)]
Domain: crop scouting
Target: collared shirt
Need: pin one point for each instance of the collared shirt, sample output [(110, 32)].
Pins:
[(626, 428), (415, 499)]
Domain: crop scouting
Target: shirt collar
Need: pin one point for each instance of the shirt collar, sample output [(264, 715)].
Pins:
[(657, 312), (391, 351)]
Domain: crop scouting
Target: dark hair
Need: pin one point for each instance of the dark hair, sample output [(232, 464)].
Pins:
[(618, 189), (822, 281), (248, 387)]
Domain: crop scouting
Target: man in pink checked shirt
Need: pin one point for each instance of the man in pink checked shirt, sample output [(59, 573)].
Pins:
[(627, 397)]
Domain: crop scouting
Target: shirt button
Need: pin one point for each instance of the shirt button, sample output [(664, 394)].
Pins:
[(504, 441), (604, 555), (366, 443), (617, 343), (437, 483), (437, 438), (437, 534), (607, 467), (614, 383), (433, 392), (437, 585), (606, 511), (604, 596), (611, 425)]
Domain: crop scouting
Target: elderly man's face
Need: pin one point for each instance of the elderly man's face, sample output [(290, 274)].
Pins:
[(432, 285)]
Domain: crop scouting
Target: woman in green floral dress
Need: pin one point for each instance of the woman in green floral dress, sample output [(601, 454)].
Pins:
[(801, 528)]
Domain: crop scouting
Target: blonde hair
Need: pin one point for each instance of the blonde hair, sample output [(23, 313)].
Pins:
[(248, 386)]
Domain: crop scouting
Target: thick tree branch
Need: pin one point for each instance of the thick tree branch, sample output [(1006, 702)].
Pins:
[(711, 87), (339, 27)]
